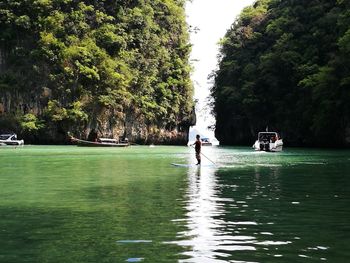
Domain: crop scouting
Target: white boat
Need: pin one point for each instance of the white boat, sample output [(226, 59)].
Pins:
[(206, 142), (268, 142), (10, 139)]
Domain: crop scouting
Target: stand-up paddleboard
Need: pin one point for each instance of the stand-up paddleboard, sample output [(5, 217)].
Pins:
[(191, 165)]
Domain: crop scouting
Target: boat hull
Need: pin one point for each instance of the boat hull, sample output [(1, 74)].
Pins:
[(12, 143), (268, 147)]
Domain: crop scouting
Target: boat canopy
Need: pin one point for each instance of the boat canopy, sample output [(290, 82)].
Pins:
[(267, 136), (107, 140), (8, 136)]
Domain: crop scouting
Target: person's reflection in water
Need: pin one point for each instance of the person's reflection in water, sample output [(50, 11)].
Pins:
[(198, 174), (194, 181), (204, 218)]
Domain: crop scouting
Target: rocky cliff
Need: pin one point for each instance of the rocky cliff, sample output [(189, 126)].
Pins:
[(95, 68)]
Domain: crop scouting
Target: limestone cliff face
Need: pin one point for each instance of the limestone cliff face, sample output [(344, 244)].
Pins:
[(95, 69), (100, 123), (105, 124)]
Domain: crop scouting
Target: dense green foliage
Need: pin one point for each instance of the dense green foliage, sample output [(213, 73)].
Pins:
[(69, 62), (286, 65)]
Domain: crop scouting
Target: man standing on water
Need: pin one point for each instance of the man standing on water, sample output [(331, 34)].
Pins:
[(197, 147)]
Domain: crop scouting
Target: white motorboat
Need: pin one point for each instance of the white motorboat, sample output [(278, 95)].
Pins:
[(10, 139), (268, 142), (206, 142)]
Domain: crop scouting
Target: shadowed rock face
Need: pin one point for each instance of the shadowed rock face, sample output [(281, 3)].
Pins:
[(101, 124)]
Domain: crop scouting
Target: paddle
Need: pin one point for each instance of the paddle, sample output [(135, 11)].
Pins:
[(205, 156)]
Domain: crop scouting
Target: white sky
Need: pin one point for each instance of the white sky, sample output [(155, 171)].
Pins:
[(213, 18)]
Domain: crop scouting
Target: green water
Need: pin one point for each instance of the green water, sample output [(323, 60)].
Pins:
[(72, 204)]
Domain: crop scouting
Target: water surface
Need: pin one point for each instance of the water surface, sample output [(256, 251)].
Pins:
[(76, 204)]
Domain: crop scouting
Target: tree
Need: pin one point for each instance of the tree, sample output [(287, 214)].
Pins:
[(284, 64)]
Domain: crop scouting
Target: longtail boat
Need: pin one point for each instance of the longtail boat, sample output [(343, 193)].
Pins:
[(101, 142)]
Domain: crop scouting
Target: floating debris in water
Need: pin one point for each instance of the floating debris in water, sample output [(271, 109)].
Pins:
[(134, 259)]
